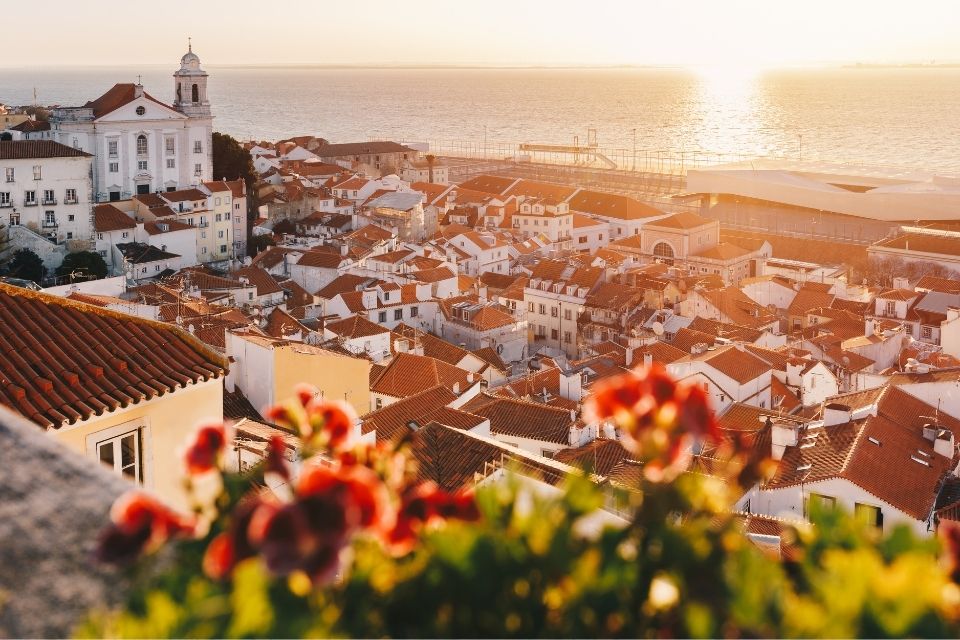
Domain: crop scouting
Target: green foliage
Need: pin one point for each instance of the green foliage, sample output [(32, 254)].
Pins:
[(230, 160), (537, 565), (27, 265), (83, 265)]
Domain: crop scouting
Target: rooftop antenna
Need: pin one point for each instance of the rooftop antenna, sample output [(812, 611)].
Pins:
[(189, 44)]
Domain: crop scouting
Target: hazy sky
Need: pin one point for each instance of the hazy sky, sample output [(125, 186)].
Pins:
[(487, 32)]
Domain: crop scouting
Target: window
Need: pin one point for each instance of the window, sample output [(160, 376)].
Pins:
[(49, 197), (382, 316), (71, 218), (49, 218), (663, 250), (171, 163), (891, 308), (198, 169), (543, 309), (414, 312), (170, 145), (379, 403), (99, 236), (123, 454), (141, 110), (112, 148), (567, 337), (9, 173), (37, 172), (219, 216), (141, 165), (530, 307), (815, 500), (195, 93), (30, 198), (70, 197), (124, 235), (868, 514), (398, 314), (554, 334), (114, 167), (141, 145), (4, 198), (220, 234), (203, 250), (582, 239), (156, 267), (567, 314), (926, 332), (197, 146)]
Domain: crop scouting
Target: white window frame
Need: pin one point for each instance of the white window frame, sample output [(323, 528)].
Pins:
[(142, 424)]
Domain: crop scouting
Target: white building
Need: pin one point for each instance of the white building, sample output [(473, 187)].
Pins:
[(46, 188), (140, 144)]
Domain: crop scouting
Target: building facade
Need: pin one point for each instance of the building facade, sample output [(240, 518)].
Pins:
[(46, 188), (141, 145)]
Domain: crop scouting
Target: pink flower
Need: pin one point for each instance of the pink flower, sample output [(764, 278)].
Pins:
[(140, 524), (949, 533), (424, 504), (205, 449)]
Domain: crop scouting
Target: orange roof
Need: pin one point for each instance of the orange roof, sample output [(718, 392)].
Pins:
[(682, 220), (409, 374), (610, 205), (107, 217), (742, 366), (495, 185), (552, 193), (117, 96), (722, 251), (66, 361)]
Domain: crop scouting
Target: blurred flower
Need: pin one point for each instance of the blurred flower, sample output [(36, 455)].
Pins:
[(205, 448), (660, 419), (276, 461), (319, 422), (949, 532), (140, 524), (233, 545), (424, 504)]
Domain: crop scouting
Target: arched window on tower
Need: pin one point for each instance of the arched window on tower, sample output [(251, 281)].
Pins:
[(179, 94), (663, 250), (196, 93), (141, 145)]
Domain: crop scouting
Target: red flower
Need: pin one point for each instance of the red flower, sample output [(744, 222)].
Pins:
[(206, 448), (233, 545), (423, 504), (659, 418), (358, 487), (332, 418), (276, 461), (949, 533), (140, 524)]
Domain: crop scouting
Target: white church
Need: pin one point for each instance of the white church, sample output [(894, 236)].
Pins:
[(139, 144)]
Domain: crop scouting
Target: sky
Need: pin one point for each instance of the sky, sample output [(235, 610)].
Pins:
[(729, 33)]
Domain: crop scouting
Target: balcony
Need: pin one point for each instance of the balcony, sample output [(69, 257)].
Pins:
[(49, 224), (70, 201), (4, 205), (30, 203), (51, 201)]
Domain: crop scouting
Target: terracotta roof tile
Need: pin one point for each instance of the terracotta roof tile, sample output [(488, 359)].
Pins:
[(107, 217), (27, 149), (65, 361), (524, 419), (409, 374)]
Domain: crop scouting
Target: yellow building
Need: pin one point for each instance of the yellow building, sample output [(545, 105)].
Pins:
[(267, 370), (114, 387)]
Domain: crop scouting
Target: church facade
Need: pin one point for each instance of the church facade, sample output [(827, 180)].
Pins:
[(141, 145)]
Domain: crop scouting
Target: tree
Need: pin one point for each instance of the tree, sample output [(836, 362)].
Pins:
[(259, 243), (431, 159), (231, 162), (83, 265), (27, 265)]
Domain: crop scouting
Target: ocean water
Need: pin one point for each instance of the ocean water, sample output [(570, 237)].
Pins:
[(893, 116)]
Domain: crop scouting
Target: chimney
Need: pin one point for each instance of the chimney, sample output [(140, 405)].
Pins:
[(647, 359), (629, 356), (782, 435), (835, 413), (944, 443), (401, 346), (470, 377), (369, 298), (344, 249), (456, 388), (138, 90)]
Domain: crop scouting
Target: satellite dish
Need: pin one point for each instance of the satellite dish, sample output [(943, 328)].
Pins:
[(657, 328)]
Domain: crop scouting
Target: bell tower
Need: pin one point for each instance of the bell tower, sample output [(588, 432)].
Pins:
[(191, 86)]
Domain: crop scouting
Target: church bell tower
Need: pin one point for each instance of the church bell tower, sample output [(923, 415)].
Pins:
[(191, 86)]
